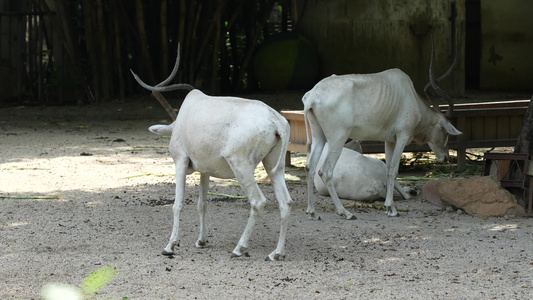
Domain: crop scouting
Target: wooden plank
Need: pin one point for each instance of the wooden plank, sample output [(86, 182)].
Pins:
[(298, 134), (490, 130), (503, 127), (492, 104), (297, 148), (478, 128), (378, 147), (490, 112), (486, 143), (293, 114), (465, 126), (515, 125)]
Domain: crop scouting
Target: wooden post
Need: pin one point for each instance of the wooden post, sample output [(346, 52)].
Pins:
[(461, 148)]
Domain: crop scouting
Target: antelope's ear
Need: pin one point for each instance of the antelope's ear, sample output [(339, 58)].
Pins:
[(449, 127)]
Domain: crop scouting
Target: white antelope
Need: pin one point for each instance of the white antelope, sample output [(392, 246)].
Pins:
[(226, 137), (357, 177), (374, 107)]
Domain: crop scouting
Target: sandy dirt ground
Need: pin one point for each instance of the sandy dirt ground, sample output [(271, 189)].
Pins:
[(82, 188)]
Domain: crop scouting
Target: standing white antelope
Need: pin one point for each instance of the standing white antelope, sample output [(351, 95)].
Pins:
[(226, 137), (370, 107)]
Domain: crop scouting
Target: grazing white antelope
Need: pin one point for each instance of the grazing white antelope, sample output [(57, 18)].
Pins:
[(357, 177), (374, 107), (226, 137)]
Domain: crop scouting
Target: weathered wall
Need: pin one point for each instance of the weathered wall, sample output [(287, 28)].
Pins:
[(10, 31), (506, 44), (360, 36)]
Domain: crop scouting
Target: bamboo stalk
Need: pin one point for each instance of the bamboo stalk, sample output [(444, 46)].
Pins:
[(104, 75), (164, 37), (118, 51), (143, 40), (91, 45), (251, 48)]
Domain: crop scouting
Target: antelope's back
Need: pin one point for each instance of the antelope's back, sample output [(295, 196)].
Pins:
[(228, 124)]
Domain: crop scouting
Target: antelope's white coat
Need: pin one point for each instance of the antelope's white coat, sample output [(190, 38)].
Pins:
[(225, 137), (377, 107), (357, 177)]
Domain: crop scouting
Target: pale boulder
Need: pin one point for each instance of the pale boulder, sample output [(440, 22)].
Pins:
[(481, 196)]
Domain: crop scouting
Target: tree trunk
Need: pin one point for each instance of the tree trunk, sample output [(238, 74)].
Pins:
[(524, 144)]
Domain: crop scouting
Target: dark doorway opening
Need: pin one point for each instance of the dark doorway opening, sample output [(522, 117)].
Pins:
[(473, 44)]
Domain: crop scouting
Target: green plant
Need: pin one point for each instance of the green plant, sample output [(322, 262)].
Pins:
[(90, 285)]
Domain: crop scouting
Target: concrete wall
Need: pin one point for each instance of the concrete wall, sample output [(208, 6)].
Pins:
[(361, 36), (506, 44)]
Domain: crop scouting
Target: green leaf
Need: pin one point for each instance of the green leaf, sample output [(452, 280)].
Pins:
[(98, 279)]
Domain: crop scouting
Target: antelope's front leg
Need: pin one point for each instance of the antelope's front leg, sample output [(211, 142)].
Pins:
[(326, 174), (285, 202)]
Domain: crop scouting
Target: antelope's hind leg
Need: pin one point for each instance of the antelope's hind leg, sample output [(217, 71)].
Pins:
[(277, 177), (178, 205), (201, 208)]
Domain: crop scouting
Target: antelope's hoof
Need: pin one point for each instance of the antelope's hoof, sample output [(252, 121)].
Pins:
[(243, 251), (201, 244), (351, 217), (314, 217), (277, 257), (392, 213), (234, 255), (169, 249), (167, 253)]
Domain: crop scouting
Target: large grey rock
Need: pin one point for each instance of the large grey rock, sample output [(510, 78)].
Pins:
[(481, 196)]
